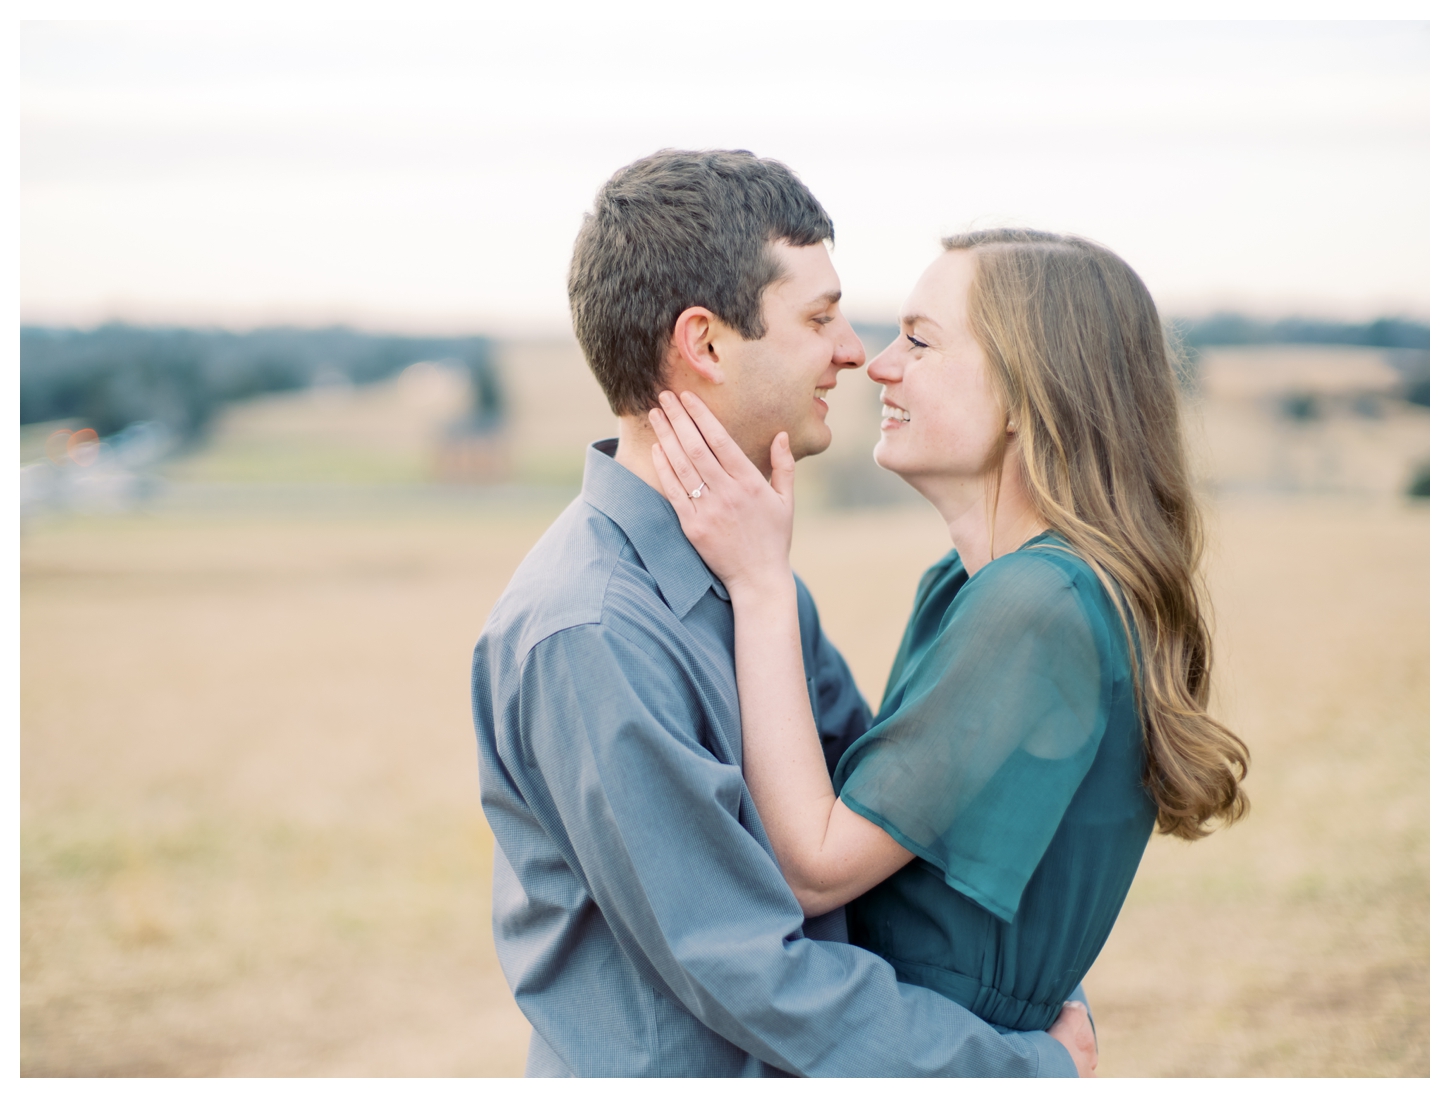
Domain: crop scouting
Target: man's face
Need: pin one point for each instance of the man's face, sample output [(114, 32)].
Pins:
[(780, 382)]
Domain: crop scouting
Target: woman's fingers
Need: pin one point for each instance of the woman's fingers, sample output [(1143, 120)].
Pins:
[(691, 441), (670, 483), (702, 455), (782, 468), (679, 462), (731, 457)]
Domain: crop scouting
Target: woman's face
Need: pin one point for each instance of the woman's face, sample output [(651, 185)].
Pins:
[(940, 420)]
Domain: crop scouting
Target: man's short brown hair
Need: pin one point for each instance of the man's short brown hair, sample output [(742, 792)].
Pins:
[(675, 230)]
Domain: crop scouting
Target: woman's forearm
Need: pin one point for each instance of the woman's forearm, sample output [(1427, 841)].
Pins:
[(827, 853), (784, 765)]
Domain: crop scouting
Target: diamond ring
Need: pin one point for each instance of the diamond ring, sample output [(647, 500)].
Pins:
[(696, 493)]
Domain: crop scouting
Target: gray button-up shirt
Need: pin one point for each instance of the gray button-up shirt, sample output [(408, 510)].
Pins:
[(638, 911)]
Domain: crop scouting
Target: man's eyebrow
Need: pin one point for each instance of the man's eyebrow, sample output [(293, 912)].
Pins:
[(830, 297)]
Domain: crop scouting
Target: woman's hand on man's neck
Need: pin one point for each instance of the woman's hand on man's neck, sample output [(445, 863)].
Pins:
[(636, 437)]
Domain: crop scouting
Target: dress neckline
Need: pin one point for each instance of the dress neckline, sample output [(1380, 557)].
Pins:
[(1033, 540)]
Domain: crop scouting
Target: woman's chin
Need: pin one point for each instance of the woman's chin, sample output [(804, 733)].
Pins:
[(886, 457), (891, 459)]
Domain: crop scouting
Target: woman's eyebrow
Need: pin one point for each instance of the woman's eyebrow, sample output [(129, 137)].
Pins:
[(914, 319)]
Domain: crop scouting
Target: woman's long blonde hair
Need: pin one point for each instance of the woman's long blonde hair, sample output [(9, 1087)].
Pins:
[(1081, 362)]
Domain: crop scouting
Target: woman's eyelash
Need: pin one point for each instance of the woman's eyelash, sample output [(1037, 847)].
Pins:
[(914, 341)]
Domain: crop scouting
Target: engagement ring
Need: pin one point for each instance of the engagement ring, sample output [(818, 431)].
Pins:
[(696, 493)]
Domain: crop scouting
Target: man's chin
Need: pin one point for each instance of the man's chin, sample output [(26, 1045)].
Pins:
[(811, 442)]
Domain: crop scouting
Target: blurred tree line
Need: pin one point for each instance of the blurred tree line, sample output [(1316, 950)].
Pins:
[(117, 375), (1234, 329), (1408, 341)]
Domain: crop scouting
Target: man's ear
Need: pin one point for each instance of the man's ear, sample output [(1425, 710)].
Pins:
[(692, 347)]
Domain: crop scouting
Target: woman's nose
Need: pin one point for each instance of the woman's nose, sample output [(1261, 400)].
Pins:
[(884, 368)]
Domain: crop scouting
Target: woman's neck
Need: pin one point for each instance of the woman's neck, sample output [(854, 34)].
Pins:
[(985, 520), (980, 542)]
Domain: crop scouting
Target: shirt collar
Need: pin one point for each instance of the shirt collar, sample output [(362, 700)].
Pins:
[(652, 527)]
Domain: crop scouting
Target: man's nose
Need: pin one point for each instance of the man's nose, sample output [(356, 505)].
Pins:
[(850, 351)]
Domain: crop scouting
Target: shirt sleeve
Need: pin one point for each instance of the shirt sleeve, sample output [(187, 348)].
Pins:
[(650, 820), (997, 724)]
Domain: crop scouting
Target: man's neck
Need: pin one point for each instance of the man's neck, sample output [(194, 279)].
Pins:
[(636, 437)]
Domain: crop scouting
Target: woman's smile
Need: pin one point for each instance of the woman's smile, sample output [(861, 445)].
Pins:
[(893, 416)]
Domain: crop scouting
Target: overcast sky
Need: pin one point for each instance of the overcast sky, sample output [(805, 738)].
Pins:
[(432, 176)]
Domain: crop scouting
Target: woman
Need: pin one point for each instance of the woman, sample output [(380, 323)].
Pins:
[(1047, 704)]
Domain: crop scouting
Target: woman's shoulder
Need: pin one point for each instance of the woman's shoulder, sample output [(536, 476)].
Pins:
[(939, 581), (1044, 578), (949, 564), (1045, 567)]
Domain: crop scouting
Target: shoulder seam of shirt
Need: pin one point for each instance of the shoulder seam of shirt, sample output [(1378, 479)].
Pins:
[(683, 689), (598, 622), (522, 653)]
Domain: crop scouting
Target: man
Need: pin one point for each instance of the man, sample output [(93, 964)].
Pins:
[(639, 914)]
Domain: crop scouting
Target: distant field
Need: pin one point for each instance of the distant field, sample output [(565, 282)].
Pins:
[(250, 840)]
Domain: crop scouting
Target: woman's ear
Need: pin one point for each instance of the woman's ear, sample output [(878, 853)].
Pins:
[(692, 346)]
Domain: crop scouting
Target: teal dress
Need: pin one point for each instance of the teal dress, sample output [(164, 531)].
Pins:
[(1008, 757)]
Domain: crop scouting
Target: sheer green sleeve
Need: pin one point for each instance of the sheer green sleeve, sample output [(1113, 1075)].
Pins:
[(979, 753)]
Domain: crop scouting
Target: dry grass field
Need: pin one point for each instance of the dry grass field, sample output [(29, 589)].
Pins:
[(250, 835), (251, 842)]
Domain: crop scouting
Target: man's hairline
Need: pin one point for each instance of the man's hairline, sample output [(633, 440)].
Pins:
[(779, 276)]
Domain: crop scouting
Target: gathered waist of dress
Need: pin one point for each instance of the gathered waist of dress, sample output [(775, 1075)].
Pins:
[(987, 1003)]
